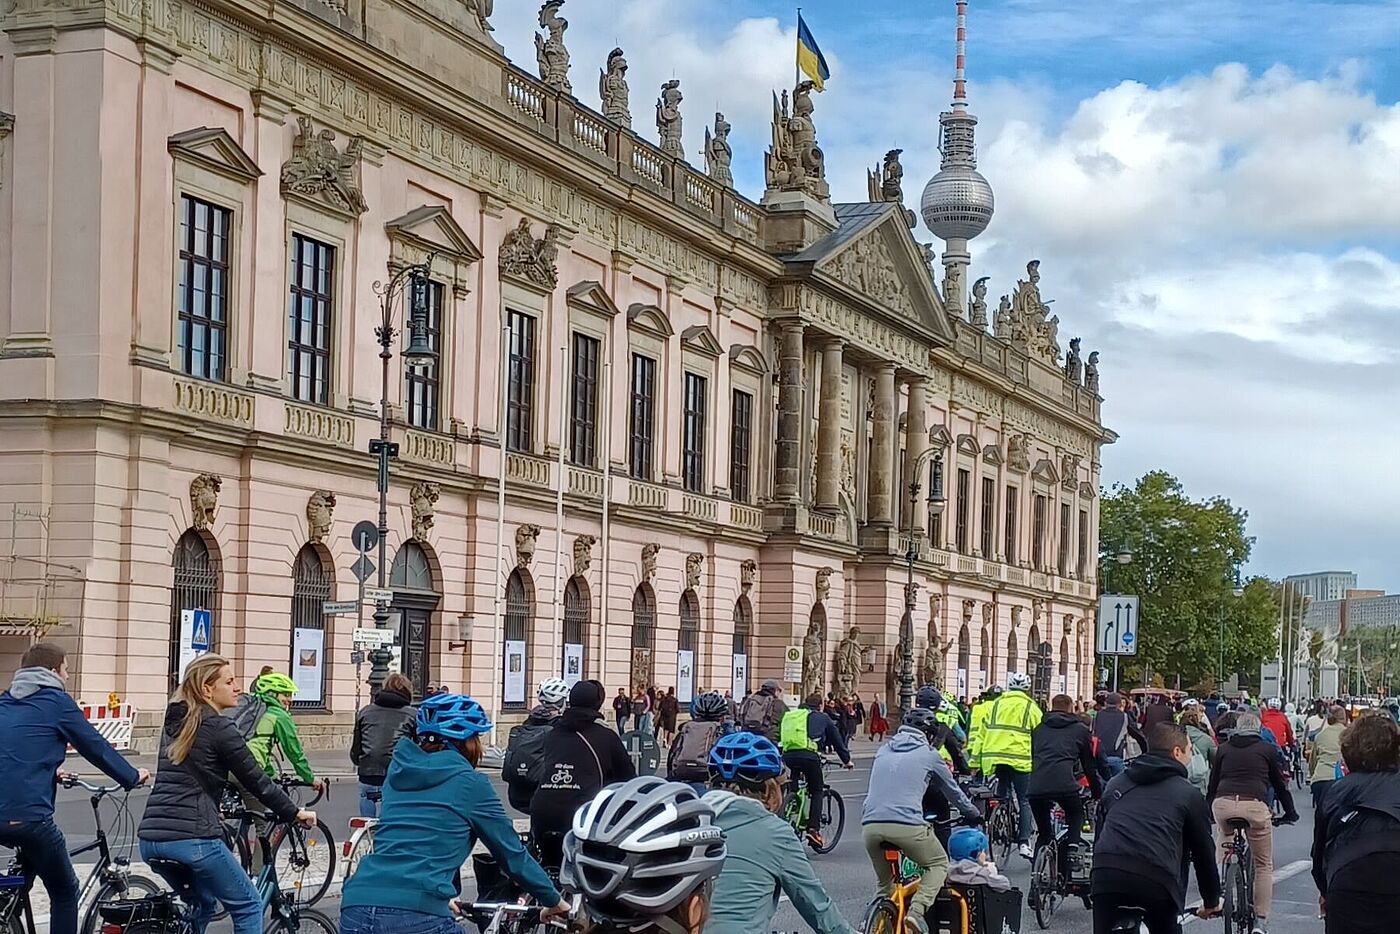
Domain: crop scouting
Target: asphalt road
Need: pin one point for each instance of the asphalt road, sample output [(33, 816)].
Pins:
[(846, 871)]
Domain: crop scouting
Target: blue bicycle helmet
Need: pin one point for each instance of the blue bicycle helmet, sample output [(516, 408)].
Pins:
[(966, 843), (746, 757), (452, 716)]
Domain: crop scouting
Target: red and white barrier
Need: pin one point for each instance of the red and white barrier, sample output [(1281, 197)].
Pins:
[(114, 724)]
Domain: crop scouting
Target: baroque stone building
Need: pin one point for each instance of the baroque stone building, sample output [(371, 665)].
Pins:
[(701, 412)]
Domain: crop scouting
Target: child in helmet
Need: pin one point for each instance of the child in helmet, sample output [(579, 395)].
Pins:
[(971, 862)]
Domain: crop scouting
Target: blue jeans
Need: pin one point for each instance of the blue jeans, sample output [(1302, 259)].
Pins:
[(358, 919), (369, 808), (217, 879), (46, 855), (1019, 782), (643, 723), (1116, 765)]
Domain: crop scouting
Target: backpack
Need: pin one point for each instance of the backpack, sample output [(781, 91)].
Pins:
[(247, 715), (756, 715), (524, 749), (690, 753), (1198, 772)]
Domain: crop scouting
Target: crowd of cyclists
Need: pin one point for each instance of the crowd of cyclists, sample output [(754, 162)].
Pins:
[(705, 849)]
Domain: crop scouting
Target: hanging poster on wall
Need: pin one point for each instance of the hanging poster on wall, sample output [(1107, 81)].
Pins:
[(308, 662), (514, 672), (573, 663), (962, 682), (685, 676), (740, 679)]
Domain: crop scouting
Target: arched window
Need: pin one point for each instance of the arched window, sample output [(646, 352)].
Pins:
[(964, 659), (689, 642), (578, 613), (1064, 664), (196, 586), (743, 632), (519, 612), (984, 661), (1011, 652), (413, 578), (643, 637), (1032, 651), (311, 588), (411, 569)]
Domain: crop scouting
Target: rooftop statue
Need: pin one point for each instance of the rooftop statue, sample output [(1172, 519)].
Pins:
[(886, 183), (612, 87), (1074, 364), (977, 317), (552, 55), (795, 162), (668, 118), (481, 9), (1091, 373), (718, 154)]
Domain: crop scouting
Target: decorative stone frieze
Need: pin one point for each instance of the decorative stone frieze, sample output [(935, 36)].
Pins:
[(318, 171)]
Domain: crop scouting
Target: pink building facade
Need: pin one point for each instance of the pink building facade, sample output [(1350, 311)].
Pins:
[(711, 410)]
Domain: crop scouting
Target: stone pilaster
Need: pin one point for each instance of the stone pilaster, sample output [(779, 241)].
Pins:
[(915, 443), (829, 428), (879, 501), (788, 449)]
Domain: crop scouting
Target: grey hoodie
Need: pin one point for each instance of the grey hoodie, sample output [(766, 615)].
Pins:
[(903, 768), (764, 860), (29, 680)]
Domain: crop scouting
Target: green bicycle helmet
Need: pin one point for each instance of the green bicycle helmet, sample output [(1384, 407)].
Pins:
[(274, 682)]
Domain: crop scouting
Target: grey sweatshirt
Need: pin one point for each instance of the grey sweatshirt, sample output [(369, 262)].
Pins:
[(29, 680), (903, 769)]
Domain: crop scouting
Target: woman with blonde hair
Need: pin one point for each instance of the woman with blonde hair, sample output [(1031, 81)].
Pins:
[(199, 751)]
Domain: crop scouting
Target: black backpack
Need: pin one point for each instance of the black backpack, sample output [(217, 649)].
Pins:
[(524, 751), (690, 753)]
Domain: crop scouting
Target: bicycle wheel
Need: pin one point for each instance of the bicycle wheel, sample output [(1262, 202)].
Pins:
[(130, 887), (1000, 834), (304, 861), (1236, 907), (361, 846), (833, 820), (792, 810), (1043, 895), (882, 917), (303, 921)]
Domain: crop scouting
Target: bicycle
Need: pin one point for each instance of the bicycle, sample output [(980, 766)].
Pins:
[(173, 912), (306, 866), (506, 917), (1003, 823), (886, 914), (1300, 774), (361, 840), (797, 810), (1048, 889), (1237, 877), (110, 878)]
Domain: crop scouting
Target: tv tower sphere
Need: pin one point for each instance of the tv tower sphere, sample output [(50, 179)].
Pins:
[(957, 203)]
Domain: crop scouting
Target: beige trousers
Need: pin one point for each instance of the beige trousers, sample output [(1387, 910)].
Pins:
[(1261, 843)]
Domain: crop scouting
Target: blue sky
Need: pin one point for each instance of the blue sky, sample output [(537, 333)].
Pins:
[(1213, 189)]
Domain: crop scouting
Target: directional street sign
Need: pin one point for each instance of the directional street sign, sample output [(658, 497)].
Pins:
[(375, 595), (339, 607), (1118, 625), (364, 568), (373, 637)]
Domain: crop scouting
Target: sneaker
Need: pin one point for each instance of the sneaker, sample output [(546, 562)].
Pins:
[(1260, 926), (1027, 852), (915, 924), (814, 839)]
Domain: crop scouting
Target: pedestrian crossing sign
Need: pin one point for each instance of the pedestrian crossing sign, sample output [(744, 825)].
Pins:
[(199, 634)]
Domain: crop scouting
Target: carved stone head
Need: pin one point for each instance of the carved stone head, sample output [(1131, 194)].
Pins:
[(525, 537), (583, 554), (649, 552), (1016, 617), (319, 510), (823, 582), (693, 563), (204, 500), (748, 573), (968, 608), (422, 498)]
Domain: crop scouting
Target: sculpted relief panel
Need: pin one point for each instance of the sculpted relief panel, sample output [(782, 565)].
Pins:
[(858, 327), (868, 266), (1019, 415)]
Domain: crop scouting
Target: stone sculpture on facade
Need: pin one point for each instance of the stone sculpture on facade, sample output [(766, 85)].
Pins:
[(319, 511), (612, 88), (952, 287), (1069, 471), (813, 658), (795, 162), (317, 169), (525, 538), (550, 52), (481, 9), (977, 315), (1016, 612), (1018, 453), (525, 257), (1002, 324), (934, 661), (668, 119), (969, 607), (718, 154), (693, 562), (850, 658), (204, 500), (649, 552), (422, 502), (1091, 372), (1074, 365), (823, 584), (748, 573), (886, 182), (583, 554)]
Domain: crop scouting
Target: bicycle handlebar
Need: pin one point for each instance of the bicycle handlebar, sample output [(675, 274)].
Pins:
[(73, 781), (287, 782)]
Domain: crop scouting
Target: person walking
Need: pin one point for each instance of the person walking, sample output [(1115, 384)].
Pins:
[(622, 710), (858, 710), (378, 727), (1325, 755), (879, 726), (668, 710)]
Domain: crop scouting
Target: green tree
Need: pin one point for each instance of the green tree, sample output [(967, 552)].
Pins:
[(1185, 556)]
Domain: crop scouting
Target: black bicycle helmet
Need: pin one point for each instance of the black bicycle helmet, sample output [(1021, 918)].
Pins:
[(929, 697), (709, 706), (922, 719)]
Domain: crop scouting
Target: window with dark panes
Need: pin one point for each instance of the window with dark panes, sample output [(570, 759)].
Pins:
[(740, 441), (1083, 563), (202, 341), (309, 332), (989, 517), (1039, 519), (642, 415), (693, 435), (1011, 528), (520, 400), (583, 444), (935, 518), (964, 509), (1063, 552), (422, 392)]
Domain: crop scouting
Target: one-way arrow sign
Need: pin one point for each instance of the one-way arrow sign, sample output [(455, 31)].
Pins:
[(1118, 624)]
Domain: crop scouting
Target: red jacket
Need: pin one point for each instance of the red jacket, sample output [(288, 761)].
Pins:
[(1277, 722)]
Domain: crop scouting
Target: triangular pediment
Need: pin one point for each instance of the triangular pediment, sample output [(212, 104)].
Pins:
[(747, 357), (1087, 491), (991, 454), (214, 149), (431, 228), (701, 339), (591, 295), (939, 436), (1045, 472), (649, 318)]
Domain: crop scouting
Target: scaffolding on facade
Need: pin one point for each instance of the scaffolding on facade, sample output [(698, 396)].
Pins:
[(37, 595)]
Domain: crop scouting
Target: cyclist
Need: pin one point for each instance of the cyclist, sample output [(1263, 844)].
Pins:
[(689, 757), (764, 860), (274, 730), (1060, 745), (976, 721), (436, 806), (644, 855), (949, 742), (199, 750), (526, 742), (378, 727), (802, 732), (893, 814), (1112, 727), (1151, 821), (580, 756), (1280, 724), (1006, 747), (39, 720), (1245, 770)]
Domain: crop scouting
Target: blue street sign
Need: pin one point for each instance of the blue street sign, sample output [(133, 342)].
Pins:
[(1127, 638), (200, 633)]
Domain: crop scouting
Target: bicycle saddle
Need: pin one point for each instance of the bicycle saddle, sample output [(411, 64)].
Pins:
[(1128, 921), (1237, 823), (180, 877)]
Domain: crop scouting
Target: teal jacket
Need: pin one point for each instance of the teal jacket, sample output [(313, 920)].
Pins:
[(764, 860), (436, 806)]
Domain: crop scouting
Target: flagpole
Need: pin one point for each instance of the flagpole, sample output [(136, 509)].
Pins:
[(796, 61)]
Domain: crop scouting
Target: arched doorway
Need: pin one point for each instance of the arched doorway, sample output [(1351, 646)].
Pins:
[(578, 614), (312, 584), (520, 611), (1064, 664), (416, 599), (984, 660), (1032, 651), (643, 637), (743, 632), (1011, 652), (687, 665), (196, 587), (964, 659)]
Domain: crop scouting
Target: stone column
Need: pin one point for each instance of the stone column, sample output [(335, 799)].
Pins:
[(915, 443), (829, 428), (879, 504), (788, 449)]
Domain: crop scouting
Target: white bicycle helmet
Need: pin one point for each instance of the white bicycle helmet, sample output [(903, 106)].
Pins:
[(1018, 682), (1275, 703), (553, 692), (639, 849)]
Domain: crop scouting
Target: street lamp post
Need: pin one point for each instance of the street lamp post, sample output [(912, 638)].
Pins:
[(906, 628), (418, 352)]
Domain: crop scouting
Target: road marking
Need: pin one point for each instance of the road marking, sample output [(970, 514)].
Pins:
[(1280, 875)]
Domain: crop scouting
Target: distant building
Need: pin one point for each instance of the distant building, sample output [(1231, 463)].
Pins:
[(1323, 585), (1366, 612)]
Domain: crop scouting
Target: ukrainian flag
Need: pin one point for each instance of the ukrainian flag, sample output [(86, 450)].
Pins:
[(809, 57)]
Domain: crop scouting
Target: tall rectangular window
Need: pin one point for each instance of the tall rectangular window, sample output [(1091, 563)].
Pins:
[(1083, 563), (935, 518), (989, 517), (584, 438), (309, 334), (643, 415), (1038, 521), (1065, 529), (422, 392), (520, 401), (740, 441), (693, 438), (203, 300), (1012, 529), (964, 509)]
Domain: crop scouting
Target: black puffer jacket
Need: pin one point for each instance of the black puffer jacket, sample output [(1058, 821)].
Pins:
[(377, 728), (1059, 745), (184, 804)]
